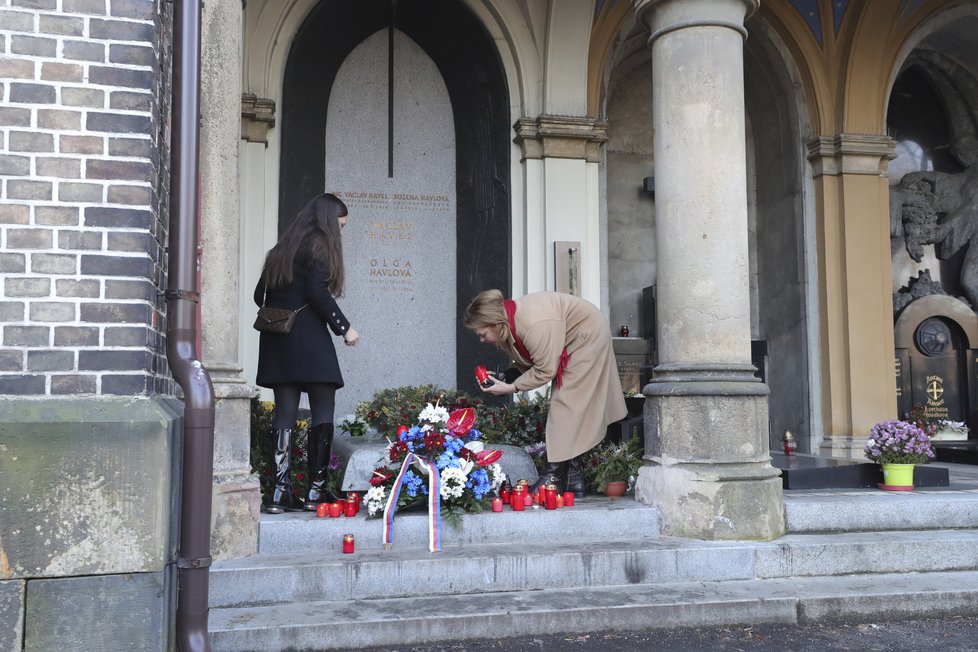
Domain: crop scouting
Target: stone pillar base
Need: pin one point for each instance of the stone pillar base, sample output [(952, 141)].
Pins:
[(236, 500), (236, 509), (707, 463)]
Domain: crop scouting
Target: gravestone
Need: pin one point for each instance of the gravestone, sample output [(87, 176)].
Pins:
[(359, 456), (399, 244)]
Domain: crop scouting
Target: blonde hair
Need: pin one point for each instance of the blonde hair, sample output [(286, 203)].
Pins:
[(485, 310)]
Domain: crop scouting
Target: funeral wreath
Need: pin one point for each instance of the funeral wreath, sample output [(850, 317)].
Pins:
[(442, 443)]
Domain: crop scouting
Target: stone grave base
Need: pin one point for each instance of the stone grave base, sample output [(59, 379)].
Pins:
[(359, 456)]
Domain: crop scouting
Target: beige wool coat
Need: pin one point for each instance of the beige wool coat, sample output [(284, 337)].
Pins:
[(590, 396)]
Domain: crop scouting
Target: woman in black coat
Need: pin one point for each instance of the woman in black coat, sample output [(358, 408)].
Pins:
[(304, 272)]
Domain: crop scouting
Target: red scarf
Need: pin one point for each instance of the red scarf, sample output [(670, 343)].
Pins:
[(510, 307)]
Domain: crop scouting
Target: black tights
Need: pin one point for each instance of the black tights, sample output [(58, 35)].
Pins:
[(322, 402)]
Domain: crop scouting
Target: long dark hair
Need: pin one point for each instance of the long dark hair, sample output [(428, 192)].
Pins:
[(313, 235)]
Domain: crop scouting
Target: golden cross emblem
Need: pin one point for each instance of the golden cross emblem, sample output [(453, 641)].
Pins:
[(934, 390)]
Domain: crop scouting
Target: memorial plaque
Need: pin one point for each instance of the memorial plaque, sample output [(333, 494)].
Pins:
[(634, 358), (399, 245)]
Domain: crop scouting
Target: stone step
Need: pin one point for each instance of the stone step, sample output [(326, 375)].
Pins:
[(873, 510), (591, 519), (542, 565), (355, 624), (402, 571)]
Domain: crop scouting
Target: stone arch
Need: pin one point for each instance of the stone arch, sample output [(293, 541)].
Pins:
[(781, 212), (933, 115), (477, 89), (783, 248)]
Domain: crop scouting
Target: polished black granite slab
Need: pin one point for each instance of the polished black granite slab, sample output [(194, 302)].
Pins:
[(958, 452), (801, 471)]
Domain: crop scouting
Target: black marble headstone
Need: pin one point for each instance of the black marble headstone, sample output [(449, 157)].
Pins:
[(802, 471)]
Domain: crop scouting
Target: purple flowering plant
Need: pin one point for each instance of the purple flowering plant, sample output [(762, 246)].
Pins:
[(898, 442)]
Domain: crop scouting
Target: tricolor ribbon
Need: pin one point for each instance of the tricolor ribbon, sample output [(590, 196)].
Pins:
[(434, 501)]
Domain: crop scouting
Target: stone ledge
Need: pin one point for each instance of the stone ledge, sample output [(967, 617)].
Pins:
[(304, 532)]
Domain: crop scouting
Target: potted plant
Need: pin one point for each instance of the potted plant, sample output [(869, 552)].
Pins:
[(898, 446), (612, 465)]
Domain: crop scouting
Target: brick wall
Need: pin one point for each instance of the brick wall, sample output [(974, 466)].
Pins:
[(84, 105)]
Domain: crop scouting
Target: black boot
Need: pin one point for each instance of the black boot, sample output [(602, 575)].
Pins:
[(282, 499), (319, 447), (554, 473), (575, 476)]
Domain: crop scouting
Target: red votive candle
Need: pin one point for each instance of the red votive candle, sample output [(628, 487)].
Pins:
[(568, 499), (322, 510), (505, 496), (527, 501), (482, 375), (516, 502), (497, 504), (560, 501), (352, 495), (350, 507), (550, 497), (348, 544), (335, 510)]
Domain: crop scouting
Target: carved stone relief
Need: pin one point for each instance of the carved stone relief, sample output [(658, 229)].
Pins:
[(941, 208)]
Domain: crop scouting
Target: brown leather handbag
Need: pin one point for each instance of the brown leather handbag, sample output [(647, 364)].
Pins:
[(276, 320)]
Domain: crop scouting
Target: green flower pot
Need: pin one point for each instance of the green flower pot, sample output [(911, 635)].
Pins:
[(898, 475)]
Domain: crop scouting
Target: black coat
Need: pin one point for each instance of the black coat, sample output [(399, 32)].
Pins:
[(306, 354)]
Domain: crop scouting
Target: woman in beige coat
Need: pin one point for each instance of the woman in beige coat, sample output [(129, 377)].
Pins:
[(561, 338)]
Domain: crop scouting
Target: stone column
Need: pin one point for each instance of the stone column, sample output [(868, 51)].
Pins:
[(855, 292), (562, 153), (708, 467), (236, 491)]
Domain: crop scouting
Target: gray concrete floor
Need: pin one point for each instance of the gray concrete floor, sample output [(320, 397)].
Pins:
[(953, 634)]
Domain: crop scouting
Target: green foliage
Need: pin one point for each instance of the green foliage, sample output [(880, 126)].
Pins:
[(400, 406), (353, 427), (612, 462), (520, 423)]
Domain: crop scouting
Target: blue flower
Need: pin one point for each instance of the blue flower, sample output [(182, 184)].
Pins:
[(412, 482), (447, 460), (474, 435)]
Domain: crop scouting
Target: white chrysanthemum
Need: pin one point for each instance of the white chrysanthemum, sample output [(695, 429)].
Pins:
[(452, 482), (433, 414), (376, 499), (496, 475)]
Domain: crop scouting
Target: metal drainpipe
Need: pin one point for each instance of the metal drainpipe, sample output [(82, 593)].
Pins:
[(182, 297)]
